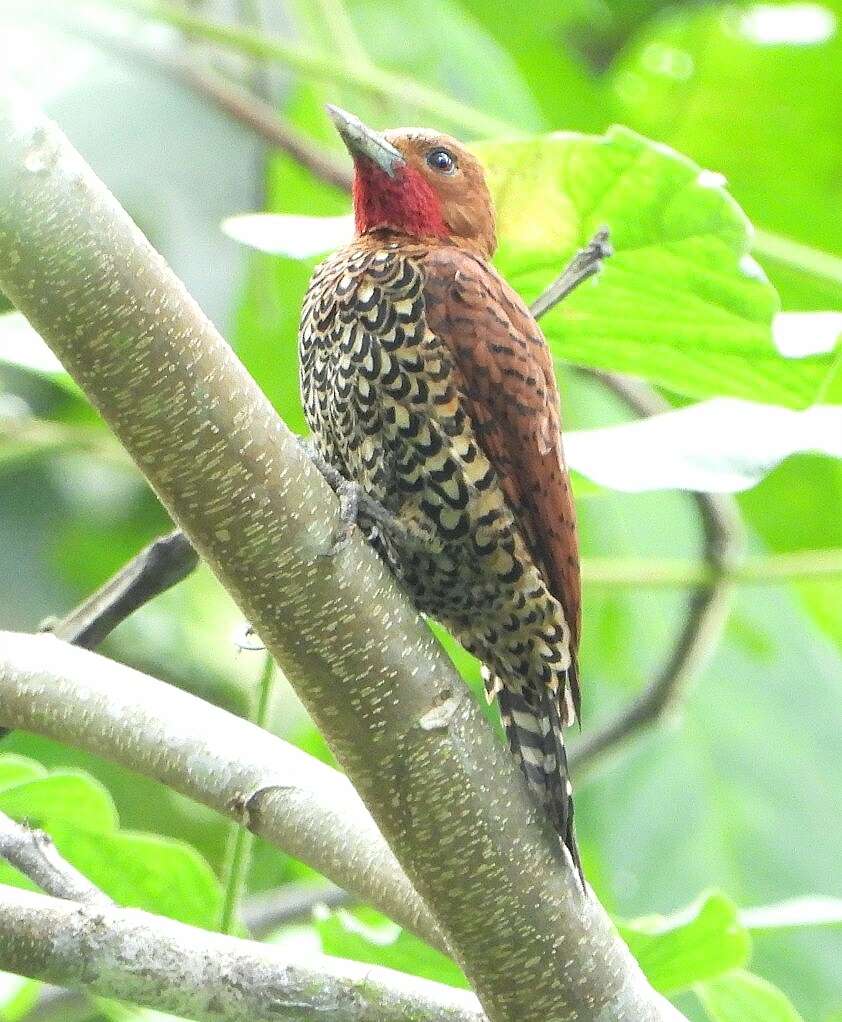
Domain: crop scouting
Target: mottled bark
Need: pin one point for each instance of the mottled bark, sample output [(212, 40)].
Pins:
[(166, 965), (446, 796)]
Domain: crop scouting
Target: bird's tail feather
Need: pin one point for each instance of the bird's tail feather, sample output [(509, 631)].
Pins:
[(533, 727)]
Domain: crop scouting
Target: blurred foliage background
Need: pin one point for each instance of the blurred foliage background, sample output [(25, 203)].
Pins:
[(738, 791)]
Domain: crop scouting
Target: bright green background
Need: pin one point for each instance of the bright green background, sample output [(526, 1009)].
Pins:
[(741, 794)]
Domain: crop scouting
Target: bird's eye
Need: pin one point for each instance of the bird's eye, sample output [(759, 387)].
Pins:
[(442, 161)]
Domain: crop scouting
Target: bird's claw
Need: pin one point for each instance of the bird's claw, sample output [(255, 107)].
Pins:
[(349, 508), (358, 508)]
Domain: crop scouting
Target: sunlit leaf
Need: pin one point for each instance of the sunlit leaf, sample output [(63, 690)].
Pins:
[(298, 237), (679, 951), (801, 334), (721, 446), (61, 796), (18, 769), (17, 996), (145, 871), (679, 303)]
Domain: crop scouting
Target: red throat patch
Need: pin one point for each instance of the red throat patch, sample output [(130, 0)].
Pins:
[(405, 202)]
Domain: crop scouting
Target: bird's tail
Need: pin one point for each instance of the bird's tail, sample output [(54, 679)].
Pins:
[(533, 727)]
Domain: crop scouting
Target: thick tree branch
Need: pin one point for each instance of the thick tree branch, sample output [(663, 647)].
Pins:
[(172, 967), (297, 803)]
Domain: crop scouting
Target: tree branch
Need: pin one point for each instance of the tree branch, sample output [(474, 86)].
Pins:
[(291, 903), (33, 853), (707, 610), (302, 806), (167, 561), (172, 967), (447, 797)]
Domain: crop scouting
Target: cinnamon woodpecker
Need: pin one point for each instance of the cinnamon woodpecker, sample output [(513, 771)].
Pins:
[(429, 389)]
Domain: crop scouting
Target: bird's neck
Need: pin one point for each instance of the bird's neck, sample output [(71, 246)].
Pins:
[(404, 203)]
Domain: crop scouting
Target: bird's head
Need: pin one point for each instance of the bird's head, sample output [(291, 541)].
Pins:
[(418, 182)]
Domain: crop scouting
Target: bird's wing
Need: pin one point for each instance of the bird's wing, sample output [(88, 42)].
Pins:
[(504, 371)]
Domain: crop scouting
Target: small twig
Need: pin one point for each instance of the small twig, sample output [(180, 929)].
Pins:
[(159, 566), (241, 840), (33, 853), (291, 903), (708, 607), (583, 265)]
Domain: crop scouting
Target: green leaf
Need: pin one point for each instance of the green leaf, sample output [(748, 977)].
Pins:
[(743, 997), (145, 871), (679, 303), (68, 796), (17, 769), (679, 951), (779, 143), (17, 996), (367, 936)]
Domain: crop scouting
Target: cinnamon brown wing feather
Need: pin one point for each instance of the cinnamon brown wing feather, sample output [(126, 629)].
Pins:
[(504, 371)]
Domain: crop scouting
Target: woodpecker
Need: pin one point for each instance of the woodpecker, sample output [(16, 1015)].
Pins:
[(429, 390)]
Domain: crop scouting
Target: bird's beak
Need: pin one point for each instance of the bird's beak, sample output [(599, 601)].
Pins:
[(361, 141)]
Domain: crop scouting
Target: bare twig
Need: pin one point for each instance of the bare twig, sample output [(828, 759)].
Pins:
[(707, 610), (152, 961), (265, 912), (33, 853), (587, 262), (158, 567)]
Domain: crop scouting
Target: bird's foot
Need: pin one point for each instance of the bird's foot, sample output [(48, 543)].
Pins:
[(359, 508)]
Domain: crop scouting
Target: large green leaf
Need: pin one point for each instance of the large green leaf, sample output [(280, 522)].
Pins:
[(138, 870), (679, 951), (744, 997), (61, 796), (679, 303), (145, 871), (761, 109), (17, 769)]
